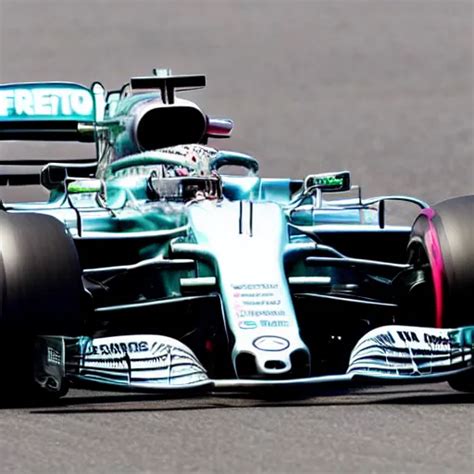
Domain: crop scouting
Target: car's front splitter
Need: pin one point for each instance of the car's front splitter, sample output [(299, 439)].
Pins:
[(389, 354)]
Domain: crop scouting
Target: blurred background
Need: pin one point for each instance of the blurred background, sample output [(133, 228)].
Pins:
[(383, 88)]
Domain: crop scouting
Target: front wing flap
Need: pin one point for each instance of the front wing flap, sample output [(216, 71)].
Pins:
[(389, 354)]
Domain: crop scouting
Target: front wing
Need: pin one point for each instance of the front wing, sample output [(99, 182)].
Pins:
[(388, 354)]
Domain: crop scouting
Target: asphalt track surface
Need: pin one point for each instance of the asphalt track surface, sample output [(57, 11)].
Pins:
[(384, 88)]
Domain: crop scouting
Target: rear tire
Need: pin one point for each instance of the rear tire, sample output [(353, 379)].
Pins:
[(40, 293)]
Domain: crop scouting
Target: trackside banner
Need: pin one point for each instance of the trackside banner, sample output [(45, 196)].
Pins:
[(46, 101)]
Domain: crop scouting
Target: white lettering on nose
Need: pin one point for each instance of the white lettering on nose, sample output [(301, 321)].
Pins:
[(81, 103), (23, 102)]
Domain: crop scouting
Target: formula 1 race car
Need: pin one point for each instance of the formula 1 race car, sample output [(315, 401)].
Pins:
[(153, 268)]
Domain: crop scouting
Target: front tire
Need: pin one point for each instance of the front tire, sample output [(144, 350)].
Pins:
[(443, 238), (40, 293), (444, 235)]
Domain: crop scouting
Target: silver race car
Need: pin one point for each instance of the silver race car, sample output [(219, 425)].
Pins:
[(155, 267)]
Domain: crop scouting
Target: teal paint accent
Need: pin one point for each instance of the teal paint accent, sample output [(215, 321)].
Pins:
[(126, 104)]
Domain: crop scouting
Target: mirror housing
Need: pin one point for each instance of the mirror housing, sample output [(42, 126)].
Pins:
[(219, 127), (329, 182), (86, 185)]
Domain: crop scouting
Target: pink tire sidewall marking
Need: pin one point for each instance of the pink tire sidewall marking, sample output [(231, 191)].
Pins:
[(433, 248)]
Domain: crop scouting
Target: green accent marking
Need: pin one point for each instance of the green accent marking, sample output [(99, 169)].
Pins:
[(78, 187), (328, 181)]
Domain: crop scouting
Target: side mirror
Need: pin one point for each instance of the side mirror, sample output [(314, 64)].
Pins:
[(329, 182), (80, 186), (219, 128)]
